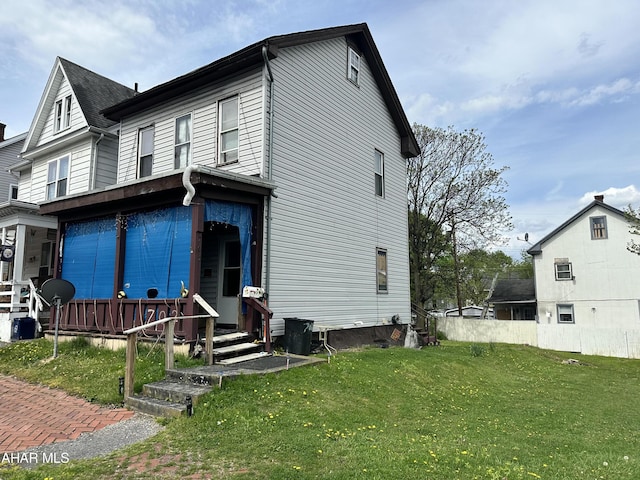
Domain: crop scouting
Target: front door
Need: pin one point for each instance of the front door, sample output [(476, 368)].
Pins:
[(230, 273)]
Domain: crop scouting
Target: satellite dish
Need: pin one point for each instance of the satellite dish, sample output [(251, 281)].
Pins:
[(526, 237), (57, 289)]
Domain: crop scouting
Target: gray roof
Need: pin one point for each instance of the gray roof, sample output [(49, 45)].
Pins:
[(94, 92), (514, 290), (252, 56)]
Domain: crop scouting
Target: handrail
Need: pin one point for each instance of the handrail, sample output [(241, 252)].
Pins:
[(132, 334), (159, 322)]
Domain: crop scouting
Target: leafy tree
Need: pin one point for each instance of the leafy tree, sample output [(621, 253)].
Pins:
[(633, 216), (455, 200)]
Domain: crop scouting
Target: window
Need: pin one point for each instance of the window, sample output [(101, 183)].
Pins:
[(565, 314), (353, 69), (57, 177), (379, 173), (598, 228), (62, 118), (228, 139), (232, 269), (563, 270), (46, 260), (145, 152), (381, 270), (183, 141), (13, 192)]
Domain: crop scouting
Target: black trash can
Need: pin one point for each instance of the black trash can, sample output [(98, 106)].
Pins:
[(23, 328), (297, 335)]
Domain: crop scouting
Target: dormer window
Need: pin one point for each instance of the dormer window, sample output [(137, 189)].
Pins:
[(353, 68), (62, 118), (598, 228)]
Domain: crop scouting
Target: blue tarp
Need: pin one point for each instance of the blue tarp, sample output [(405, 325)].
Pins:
[(157, 252), (89, 257), (238, 215)]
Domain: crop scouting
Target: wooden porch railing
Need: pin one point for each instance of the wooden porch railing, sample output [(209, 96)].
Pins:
[(114, 317), (169, 332)]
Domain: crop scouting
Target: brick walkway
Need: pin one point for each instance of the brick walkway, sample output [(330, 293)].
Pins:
[(32, 415)]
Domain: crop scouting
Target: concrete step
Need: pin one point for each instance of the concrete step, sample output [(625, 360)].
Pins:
[(234, 349), (194, 376), (243, 358), (175, 391), (155, 407)]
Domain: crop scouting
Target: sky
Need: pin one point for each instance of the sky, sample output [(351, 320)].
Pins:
[(553, 85)]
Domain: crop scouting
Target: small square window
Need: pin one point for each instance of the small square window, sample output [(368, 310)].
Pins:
[(565, 314), (563, 271), (381, 271), (353, 67), (598, 228)]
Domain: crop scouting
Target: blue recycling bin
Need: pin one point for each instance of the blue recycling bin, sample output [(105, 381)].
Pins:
[(23, 328)]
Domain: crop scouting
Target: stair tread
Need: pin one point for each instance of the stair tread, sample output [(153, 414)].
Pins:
[(155, 406), (176, 386), (242, 358), (239, 347), (229, 337)]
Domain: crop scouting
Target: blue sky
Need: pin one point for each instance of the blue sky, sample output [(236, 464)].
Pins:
[(553, 85)]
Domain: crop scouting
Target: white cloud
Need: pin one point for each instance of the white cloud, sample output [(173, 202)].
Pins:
[(614, 196)]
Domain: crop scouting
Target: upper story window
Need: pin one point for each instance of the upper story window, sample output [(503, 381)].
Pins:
[(379, 172), (228, 128), (57, 177), (13, 192), (563, 269), (353, 67), (183, 141), (62, 118), (145, 151), (381, 270), (598, 227)]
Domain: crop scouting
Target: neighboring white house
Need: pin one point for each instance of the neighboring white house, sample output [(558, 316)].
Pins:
[(292, 152), (587, 292), (588, 285)]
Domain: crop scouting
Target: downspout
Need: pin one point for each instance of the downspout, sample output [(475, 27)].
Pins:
[(269, 168), (94, 164), (186, 182)]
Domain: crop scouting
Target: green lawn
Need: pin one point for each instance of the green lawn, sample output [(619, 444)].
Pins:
[(445, 412)]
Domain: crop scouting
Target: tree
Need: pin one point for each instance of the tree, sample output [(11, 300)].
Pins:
[(633, 216), (455, 194)]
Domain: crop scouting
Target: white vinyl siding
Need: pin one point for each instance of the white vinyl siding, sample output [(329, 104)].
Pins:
[(326, 222), (107, 164), (59, 92), (203, 104)]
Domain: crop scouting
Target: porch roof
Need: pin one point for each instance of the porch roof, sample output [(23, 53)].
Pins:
[(158, 189)]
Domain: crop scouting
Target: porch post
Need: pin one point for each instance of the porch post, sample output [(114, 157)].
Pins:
[(195, 260), (18, 262), (2, 264), (118, 271)]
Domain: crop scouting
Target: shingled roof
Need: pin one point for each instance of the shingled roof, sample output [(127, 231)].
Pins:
[(94, 92), (514, 290)]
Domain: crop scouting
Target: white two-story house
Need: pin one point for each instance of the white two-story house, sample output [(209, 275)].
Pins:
[(282, 165), (588, 285)]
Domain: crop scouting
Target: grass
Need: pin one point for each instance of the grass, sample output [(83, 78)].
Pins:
[(513, 412)]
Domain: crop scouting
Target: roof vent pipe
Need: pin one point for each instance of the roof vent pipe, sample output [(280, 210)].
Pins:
[(599, 198)]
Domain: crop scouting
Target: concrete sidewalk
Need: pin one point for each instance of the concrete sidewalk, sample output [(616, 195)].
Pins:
[(33, 415)]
